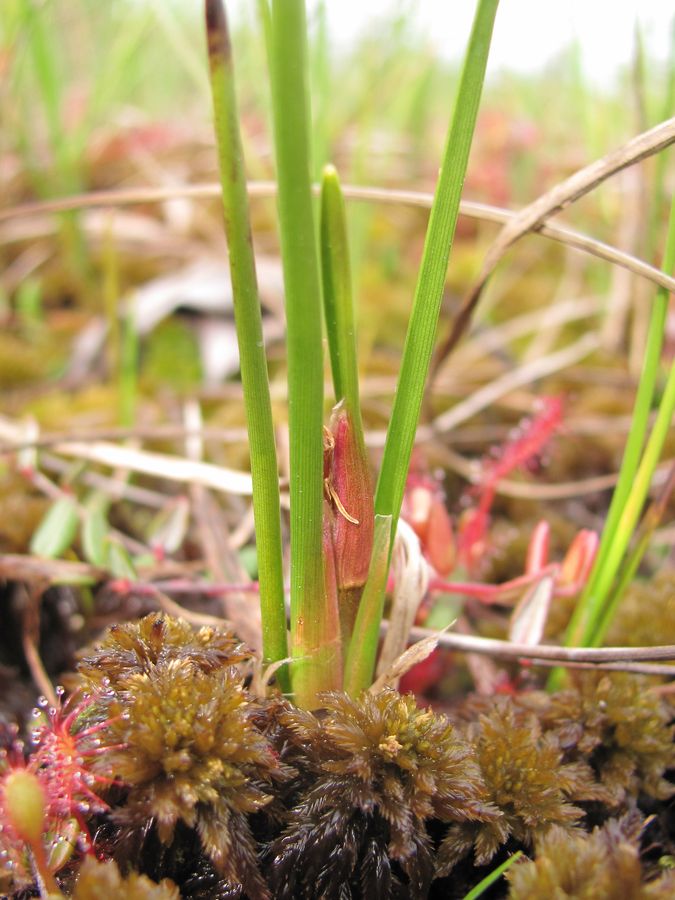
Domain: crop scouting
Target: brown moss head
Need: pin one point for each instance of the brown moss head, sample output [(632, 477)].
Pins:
[(181, 738), (376, 769), (138, 646), (619, 727), (603, 865), (526, 780)]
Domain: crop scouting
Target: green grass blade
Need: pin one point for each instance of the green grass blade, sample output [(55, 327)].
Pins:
[(431, 279), (265, 16), (248, 321), (360, 659), (290, 107), (632, 508), (493, 876), (337, 294), (649, 523), (419, 344), (590, 609)]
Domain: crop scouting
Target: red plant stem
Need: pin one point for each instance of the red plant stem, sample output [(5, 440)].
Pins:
[(42, 870), (485, 592), (488, 593)]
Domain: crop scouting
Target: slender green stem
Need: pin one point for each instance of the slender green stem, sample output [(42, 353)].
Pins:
[(337, 294), (648, 525), (589, 610), (493, 876), (248, 321), (431, 279), (265, 16), (350, 471), (310, 646), (633, 506), (360, 659), (419, 343)]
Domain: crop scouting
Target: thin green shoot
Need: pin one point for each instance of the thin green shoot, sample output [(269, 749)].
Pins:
[(421, 333), (47, 70), (645, 532), (590, 607), (419, 343), (312, 641), (595, 608), (337, 295), (632, 509), (248, 322), (492, 877), (360, 666), (29, 305)]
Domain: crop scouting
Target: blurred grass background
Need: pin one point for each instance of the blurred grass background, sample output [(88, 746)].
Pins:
[(115, 95)]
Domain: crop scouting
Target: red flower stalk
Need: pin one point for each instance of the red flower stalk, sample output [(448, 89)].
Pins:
[(531, 436)]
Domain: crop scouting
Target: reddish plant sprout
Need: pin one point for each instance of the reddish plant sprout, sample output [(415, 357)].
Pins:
[(349, 492), (348, 519), (425, 511), (527, 443), (578, 561)]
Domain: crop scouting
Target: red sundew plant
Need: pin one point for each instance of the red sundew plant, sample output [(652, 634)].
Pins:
[(46, 797), (448, 545), (525, 446), (455, 547), (67, 751)]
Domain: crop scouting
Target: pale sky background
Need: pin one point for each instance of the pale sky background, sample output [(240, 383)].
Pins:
[(527, 33)]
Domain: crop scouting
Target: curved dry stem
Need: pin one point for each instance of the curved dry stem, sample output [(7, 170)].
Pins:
[(471, 209), (469, 643), (559, 197)]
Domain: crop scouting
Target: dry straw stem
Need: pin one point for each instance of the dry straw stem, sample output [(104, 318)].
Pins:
[(40, 573), (533, 216), (230, 481), (468, 208), (466, 643)]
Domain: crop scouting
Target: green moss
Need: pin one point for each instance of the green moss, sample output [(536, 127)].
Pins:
[(617, 725), (604, 865), (526, 780), (103, 879)]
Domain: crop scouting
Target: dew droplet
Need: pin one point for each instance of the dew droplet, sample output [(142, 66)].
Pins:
[(84, 843)]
